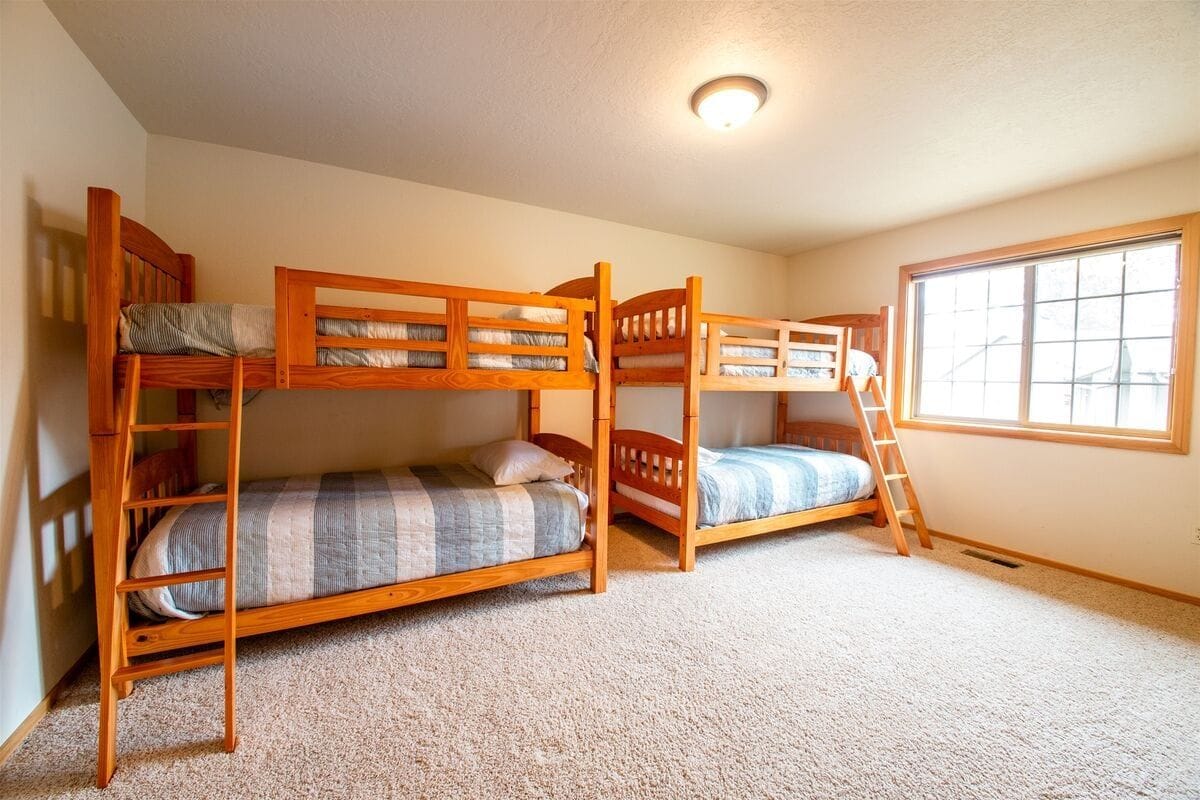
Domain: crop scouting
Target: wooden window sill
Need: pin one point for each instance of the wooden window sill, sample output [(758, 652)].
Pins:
[(1154, 444)]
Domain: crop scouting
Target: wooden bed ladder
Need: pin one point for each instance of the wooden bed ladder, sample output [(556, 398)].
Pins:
[(883, 452), (226, 654)]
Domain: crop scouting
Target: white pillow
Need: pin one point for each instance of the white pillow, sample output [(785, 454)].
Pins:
[(704, 456), (514, 461), (536, 314)]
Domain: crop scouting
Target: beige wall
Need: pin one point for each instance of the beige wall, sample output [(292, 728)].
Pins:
[(241, 213), (62, 129), (1121, 512)]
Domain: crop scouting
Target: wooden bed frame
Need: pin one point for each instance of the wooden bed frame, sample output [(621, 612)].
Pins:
[(127, 263), (667, 322)]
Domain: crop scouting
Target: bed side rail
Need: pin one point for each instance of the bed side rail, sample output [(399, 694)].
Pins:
[(297, 311), (825, 436), (825, 345), (651, 463)]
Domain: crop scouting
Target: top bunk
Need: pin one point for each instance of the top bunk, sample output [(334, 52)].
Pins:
[(408, 335), (666, 338)]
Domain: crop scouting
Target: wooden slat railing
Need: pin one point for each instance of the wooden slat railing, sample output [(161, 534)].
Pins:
[(825, 436), (648, 462), (791, 345), (297, 313), (656, 323)]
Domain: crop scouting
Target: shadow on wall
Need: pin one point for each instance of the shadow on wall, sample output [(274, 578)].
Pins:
[(48, 448)]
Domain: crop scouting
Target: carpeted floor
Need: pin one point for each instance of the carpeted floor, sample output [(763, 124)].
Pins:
[(808, 664)]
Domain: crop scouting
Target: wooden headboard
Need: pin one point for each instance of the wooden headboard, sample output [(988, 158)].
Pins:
[(871, 333), (825, 436), (127, 263), (585, 288)]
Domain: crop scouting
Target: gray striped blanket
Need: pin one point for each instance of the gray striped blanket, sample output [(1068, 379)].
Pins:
[(224, 329), (318, 535), (756, 482)]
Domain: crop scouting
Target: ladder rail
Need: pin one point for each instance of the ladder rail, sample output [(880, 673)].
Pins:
[(117, 673), (882, 448), (901, 464), (232, 477), (882, 491)]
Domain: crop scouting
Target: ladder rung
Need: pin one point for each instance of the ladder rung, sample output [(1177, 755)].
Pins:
[(158, 581), (182, 500), (874, 408), (165, 666), (901, 511), (895, 476), (180, 426), (885, 441)]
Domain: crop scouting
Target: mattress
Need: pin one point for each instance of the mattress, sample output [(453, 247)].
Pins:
[(747, 483), (859, 363), (319, 535), (232, 329)]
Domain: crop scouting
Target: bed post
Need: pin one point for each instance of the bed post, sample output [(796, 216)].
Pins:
[(105, 265), (886, 363), (887, 346), (781, 416), (185, 399), (691, 426), (533, 414), (106, 501), (105, 268), (601, 426), (612, 425), (106, 282)]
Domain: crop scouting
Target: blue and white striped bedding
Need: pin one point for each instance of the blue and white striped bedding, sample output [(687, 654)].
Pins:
[(859, 363), (747, 483), (318, 535), (229, 329), (756, 482)]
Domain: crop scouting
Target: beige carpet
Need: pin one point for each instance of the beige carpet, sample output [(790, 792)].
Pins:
[(810, 664)]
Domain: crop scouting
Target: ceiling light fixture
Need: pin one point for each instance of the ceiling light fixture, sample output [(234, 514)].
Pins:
[(729, 102)]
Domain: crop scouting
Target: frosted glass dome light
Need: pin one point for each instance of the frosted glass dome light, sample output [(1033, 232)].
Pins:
[(729, 102)]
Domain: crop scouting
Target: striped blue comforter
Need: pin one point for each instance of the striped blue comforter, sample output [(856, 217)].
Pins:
[(319, 535), (755, 482)]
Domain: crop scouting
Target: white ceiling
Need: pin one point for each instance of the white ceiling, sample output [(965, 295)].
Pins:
[(880, 114)]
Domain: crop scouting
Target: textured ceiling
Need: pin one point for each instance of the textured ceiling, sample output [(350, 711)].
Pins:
[(880, 113)]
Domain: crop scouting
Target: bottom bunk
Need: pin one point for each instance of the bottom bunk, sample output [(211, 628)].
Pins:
[(322, 547), (817, 473)]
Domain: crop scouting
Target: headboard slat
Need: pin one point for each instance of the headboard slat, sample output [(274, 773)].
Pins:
[(145, 244)]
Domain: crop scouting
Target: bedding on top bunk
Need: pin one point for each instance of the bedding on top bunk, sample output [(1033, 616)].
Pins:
[(318, 535), (746, 483), (859, 363), (225, 329)]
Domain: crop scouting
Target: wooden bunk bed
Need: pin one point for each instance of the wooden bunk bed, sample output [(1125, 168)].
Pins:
[(128, 264), (665, 338)]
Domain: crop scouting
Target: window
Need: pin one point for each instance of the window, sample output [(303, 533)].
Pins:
[(1087, 339)]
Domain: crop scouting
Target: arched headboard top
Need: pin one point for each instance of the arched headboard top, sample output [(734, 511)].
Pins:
[(584, 288)]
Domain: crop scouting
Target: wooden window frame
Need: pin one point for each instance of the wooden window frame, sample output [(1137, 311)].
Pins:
[(1179, 405)]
